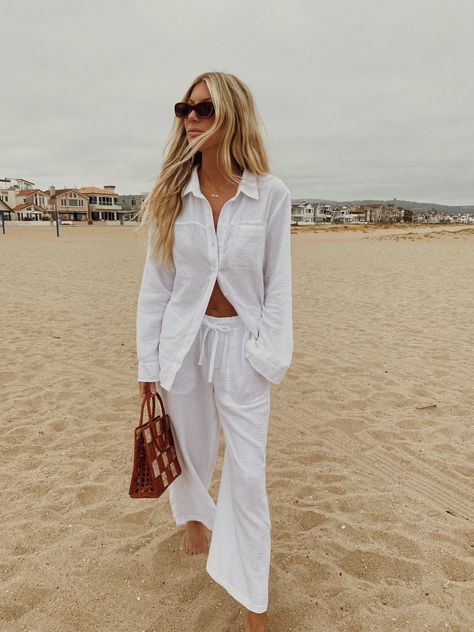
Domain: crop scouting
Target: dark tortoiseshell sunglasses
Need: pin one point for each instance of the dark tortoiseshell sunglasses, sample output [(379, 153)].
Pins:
[(204, 109)]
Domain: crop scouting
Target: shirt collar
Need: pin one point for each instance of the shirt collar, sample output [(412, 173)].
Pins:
[(248, 184)]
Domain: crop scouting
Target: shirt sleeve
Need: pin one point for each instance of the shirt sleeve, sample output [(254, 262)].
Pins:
[(270, 353), (155, 291)]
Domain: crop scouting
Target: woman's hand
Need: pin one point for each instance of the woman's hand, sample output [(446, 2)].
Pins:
[(147, 388)]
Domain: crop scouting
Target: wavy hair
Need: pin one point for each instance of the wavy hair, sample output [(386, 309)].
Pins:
[(242, 143)]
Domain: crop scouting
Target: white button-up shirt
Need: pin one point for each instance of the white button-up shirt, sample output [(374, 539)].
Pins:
[(249, 255)]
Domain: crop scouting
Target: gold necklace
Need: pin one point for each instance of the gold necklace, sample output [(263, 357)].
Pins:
[(214, 195)]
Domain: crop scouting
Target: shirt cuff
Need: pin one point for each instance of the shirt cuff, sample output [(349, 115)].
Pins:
[(148, 371), (263, 363)]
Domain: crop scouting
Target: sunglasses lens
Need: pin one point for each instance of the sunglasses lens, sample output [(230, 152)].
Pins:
[(181, 110), (205, 109)]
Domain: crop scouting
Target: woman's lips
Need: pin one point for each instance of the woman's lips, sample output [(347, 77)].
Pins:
[(193, 132)]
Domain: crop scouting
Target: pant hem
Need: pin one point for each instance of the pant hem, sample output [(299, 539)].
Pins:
[(240, 597), (184, 520)]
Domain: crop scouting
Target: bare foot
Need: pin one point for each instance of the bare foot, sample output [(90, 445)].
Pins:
[(255, 621), (195, 538)]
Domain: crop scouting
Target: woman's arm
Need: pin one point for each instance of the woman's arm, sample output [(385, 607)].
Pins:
[(155, 291), (271, 352)]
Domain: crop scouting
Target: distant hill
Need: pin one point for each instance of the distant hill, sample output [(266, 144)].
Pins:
[(414, 206)]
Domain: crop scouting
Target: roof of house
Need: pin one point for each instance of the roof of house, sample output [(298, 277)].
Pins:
[(60, 192), (31, 191), (20, 207), (88, 190)]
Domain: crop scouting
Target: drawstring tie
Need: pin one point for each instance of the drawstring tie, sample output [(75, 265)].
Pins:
[(216, 327)]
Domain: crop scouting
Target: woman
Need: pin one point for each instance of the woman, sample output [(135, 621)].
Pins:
[(214, 325)]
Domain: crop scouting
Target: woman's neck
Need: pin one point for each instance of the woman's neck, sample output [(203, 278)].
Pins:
[(209, 172)]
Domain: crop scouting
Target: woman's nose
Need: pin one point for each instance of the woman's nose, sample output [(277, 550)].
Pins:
[(193, 115)]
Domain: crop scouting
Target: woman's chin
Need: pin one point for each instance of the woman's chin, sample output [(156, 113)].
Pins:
[(192, 139)]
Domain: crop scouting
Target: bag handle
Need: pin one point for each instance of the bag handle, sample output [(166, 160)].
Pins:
[(151, 411), (162, 406)]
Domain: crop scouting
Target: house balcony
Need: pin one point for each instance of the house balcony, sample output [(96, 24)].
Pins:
[(99, 212)]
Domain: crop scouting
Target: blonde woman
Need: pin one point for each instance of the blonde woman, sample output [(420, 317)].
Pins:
[(214, 325)]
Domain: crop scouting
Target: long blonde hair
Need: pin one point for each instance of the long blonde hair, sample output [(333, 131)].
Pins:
[(242, 143)]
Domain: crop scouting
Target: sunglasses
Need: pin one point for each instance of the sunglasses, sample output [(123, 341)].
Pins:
[(204, 109)]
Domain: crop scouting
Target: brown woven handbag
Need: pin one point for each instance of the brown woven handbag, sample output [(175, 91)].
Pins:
[(155, 462)]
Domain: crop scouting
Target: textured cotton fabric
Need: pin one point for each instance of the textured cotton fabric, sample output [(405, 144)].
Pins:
[(249, 255), (237, 398)]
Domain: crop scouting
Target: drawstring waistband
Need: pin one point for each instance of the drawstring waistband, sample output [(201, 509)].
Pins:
[(216, 327)]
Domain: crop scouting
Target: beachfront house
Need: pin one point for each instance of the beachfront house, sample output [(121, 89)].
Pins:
[(69, 203), (384, 212), (302, 213), (32, 204), (426, 216), (21, 201), (102, 203), (27, 211), (33, 196), (344, 215), (15, 184), (323, 214), (131, 204)]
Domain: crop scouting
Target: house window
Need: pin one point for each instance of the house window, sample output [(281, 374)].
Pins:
[(64, 202), (105, 200)]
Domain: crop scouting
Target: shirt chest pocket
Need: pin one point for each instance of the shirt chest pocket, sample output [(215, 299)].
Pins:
[(191, 250), (246, 245)]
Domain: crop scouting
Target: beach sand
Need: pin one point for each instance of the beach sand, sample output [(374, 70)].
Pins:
[(370, 469)]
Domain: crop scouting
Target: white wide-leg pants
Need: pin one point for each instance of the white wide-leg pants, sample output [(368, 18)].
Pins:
[(216, 386)]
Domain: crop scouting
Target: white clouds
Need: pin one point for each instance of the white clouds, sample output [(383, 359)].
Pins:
[(359, 99)]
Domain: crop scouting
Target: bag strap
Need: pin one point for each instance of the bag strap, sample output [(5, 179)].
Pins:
[(151, 411), (162, 406)]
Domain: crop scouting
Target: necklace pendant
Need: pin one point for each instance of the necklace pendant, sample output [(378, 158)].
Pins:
[(214, 195)]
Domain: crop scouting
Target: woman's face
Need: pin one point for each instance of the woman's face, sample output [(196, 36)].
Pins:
[(194, 125)]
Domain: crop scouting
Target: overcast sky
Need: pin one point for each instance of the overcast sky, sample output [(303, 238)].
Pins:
[(360, 98)]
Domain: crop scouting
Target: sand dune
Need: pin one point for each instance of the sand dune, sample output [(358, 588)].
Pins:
[(370, 461)]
